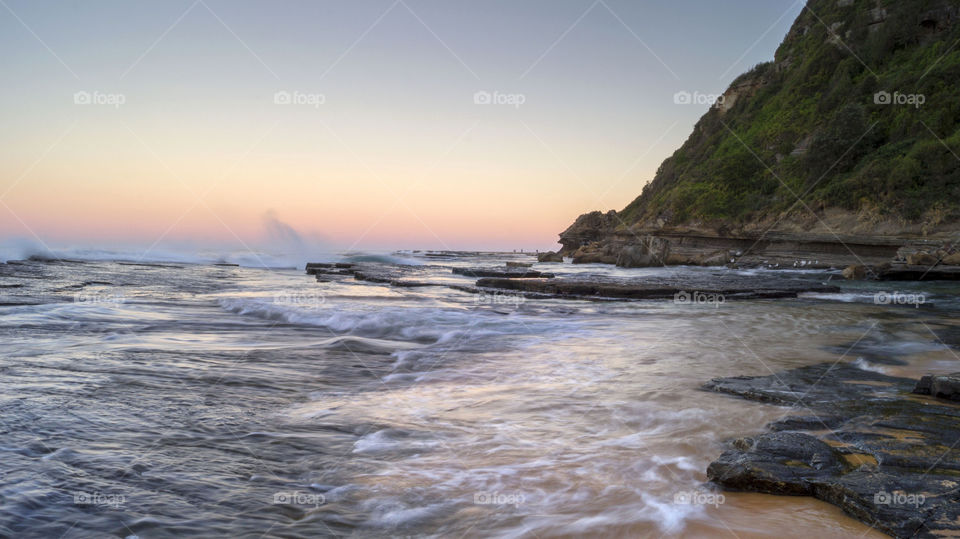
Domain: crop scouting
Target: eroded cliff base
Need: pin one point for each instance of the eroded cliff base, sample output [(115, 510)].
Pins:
[(832, 239)]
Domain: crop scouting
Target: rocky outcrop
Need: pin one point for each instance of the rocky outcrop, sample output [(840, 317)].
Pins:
[(687, 246), (866, 445), (906, 272), (944, 386), (855, 272), (810, 160), (505, 273), (589, 228), (741, 89), (550, 256), (691, 247), (686, 288)]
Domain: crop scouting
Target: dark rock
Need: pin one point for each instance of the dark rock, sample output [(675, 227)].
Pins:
[(393, 275), (951, 260), (924, 385), (314, 268), (588, 228), (649, 251), (944, 386), (399, 276), (856, 272), (871, 448), (509, 273), (594, 254), (550, 256), (596, 238), (520, 264), (902, 272), (809, 422), (922, 258), (689, 288), (776, 463), (715, 259)]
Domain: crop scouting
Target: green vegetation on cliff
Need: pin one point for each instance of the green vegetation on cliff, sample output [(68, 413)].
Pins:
[(836, 120)]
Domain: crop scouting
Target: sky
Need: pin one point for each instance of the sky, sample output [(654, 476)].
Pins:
[(360, 124)]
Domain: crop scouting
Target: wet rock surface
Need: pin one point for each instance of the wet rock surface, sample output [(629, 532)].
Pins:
[(505, 273), (906, 272), (863, 441), (550, 257), (684, 288), (945, 386), (400, 276)]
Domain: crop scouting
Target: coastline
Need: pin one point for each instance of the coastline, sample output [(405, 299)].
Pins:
[(838, 453)]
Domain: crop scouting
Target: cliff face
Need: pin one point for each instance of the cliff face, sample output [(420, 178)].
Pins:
[(850, 136)]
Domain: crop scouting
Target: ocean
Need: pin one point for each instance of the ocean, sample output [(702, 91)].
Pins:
[(187, 398)]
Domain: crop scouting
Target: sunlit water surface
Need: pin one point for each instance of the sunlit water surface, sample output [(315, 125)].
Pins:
[(199, 400)]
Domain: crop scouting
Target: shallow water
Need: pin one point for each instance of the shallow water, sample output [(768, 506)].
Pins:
[(201, 400)]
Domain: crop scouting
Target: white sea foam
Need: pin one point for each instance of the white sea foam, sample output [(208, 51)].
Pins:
[(865, 365), (843, 297), (22, 249), (411, 324)]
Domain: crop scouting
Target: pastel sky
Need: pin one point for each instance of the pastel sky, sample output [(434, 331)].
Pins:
[(384, 144)]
